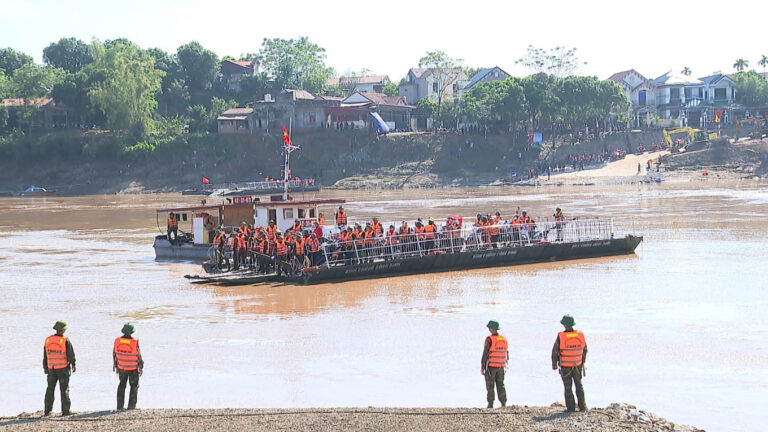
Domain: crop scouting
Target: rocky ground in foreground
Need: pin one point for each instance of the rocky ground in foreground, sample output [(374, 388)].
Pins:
[(615, 417)]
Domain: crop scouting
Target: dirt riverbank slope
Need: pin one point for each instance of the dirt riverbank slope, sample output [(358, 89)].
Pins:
[(615, 417)]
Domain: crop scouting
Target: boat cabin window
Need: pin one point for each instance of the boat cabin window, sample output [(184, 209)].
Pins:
[(272, 214), (184, 217), (287, 213), (311, 213), (301, 213)]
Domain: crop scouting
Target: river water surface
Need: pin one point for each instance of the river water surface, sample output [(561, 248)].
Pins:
[(679, 329)]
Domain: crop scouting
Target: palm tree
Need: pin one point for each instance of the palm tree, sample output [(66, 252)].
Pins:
[(686, 71), (763, 62), (740, 64)]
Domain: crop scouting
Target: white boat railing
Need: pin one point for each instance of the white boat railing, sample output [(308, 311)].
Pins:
[(466, 238)]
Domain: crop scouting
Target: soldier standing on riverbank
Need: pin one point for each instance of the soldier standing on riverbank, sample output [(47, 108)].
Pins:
[(128, 364), (493, 363), (570, 352), (58, 357)]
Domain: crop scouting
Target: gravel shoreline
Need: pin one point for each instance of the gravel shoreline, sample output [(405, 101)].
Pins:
[(615, 417)]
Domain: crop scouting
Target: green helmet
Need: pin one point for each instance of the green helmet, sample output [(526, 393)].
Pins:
[(567, 321), (60, 326), (493, 325), (128, 328)]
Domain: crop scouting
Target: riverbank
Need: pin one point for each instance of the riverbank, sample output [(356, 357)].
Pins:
[(615, 417)]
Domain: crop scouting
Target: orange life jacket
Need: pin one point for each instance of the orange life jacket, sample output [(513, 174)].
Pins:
[(377, 229), (493, 229), (405, 229), (346, 238), (282, 249), (559, 216), (419, 230), (297, 227), (241, 242), (429, 231), (299, 249), (391, 237), (271, 231), (571, 348), (341, 218), (497, 354), (314, 245), (56, 351), (173, 222), (217, 239), (127, 354), (358, 233), (321, 220), (368, 235)]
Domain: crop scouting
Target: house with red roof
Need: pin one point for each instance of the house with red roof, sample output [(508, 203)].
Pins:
[(355, 111), (47, 113), (231, 71)]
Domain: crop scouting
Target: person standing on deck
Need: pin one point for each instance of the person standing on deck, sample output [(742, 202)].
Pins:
[(58, 365), (493, 364), (321, 219), (235, 245), (570, 353), (559, 223), (173, 228), (128, 365), (281, 253), (341, 217)]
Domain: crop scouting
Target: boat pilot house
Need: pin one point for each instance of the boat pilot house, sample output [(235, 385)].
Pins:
[(197, 224)]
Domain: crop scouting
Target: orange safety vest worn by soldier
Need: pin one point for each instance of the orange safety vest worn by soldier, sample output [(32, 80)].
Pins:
[(321, 219), (377, 228), (341, 216), (172, 221), (58, 364), (429, 231), (570, 353), (493, 363), (128, 364)]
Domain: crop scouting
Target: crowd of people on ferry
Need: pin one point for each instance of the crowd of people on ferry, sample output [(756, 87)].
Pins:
[(267, 249)]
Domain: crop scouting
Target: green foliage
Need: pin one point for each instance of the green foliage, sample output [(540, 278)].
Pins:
[(254, 87), (740, 64), (295, 64), (10, 60), (32, 81), (202, 119), (426, 107), (558, 61), (541, 94), (5, 85), (751, 88), (390, 89), (69, 54), (200, 65), (127, 95), (494, 101), (138, 150), (445, 71)]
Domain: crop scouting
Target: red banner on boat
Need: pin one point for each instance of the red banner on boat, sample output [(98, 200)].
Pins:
[(205, 180)]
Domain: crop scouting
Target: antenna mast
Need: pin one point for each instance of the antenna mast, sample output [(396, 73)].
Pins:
[(288, 147)]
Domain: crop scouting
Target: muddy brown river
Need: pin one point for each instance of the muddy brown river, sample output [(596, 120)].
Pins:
[(679, 328)]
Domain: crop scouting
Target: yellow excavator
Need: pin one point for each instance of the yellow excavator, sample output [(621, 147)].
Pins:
[(695, 136)]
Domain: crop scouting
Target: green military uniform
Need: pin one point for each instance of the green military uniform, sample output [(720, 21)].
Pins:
[(127, 377), (494, 376), (570, 375), (60, 376)]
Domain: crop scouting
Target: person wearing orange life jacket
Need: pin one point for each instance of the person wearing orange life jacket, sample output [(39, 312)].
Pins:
[(377, 228), (493, 232), (265, 253), (58, 365), (173, 228), (281, 252), (369, 236), (297, 226), (321, 219), (300, 250), (271, 230), (313, 244), (347, 245), (242, 246), (341, 217), (430, 233), (404, 238), (234, 246), (559, 223), (128, 365), (219, 241), (391, 241), (493, 363), (570, 353)]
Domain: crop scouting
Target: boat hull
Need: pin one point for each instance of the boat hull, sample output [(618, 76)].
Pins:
[(164, 250), (541, 252)]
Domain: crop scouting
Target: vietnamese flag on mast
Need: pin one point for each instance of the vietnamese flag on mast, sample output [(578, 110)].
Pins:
[(205, 180), (286, 138)]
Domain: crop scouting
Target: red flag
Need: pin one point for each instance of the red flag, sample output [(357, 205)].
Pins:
[(205, 180), (286, 138)]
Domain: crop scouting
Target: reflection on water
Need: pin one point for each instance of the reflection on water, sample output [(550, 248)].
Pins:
[(689, 305)]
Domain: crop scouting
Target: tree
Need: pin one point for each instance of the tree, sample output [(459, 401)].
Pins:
[(295, 63), (254, 87), (686, 71), (200, 65), (558, 61), (127, 94), (174, 96), (73, 92), (69, 54), (763, 62), (10, 60), (445, 72), (542, 102), (390, 89), (32, 81), (5, 85), (204, 120), (740, 64), (751, 89)]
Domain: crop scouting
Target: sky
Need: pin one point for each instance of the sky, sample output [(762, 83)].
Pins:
[(388, 38)]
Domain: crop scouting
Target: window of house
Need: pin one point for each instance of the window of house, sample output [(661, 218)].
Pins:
[(455, 88), (287, 213), (674, 93), (434, 87), (496, 74), (701, 92), (688, 93), (312, 118)]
